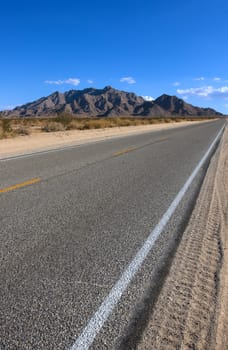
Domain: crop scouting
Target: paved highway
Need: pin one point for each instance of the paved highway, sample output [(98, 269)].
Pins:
[(72, 220)]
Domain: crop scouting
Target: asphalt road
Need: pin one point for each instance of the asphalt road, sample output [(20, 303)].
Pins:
[(74, 222)]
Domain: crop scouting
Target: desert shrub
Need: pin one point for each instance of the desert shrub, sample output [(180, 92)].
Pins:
[(124, 122), (95, 124), (22, 130), (53, 126), (111, 123), (75, 124), (65, 119), (6, 126), (168, 120), (155, 121), (91, 124)]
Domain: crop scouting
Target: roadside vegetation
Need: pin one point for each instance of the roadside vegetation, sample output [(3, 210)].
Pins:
[(13, 127), (8, 128)]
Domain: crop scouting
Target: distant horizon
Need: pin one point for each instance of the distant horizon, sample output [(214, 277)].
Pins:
[(144, 46)]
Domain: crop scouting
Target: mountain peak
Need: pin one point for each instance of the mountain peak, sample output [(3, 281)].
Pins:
[(165, 97), (108, 87)]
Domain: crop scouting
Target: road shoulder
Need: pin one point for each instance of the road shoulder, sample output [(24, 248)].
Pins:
[(192, 309)]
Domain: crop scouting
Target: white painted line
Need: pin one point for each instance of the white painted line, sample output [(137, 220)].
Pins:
[(97, 321), (51, 150)]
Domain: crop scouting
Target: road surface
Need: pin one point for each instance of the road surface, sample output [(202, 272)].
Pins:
[(72, 220)]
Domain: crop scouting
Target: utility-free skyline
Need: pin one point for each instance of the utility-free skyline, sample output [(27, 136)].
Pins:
[(150, 48)]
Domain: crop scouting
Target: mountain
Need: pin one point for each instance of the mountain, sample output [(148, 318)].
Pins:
[(107, 102), (177, 106)]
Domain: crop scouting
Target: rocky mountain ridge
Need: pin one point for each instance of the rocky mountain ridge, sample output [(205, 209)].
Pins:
[(107, 102)]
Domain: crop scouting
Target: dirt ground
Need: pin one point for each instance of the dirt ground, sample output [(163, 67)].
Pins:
[(43, 141), (192, 308)]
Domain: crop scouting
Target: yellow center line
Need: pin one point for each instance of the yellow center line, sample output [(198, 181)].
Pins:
[(20, 185), (124, 151), (127, 150)]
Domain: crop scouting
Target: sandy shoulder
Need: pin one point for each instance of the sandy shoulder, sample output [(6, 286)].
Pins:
[(53, 140), (192, 309), (221, 340)]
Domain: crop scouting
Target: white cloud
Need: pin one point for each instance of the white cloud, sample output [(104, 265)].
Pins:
[(72, 81), (128, 80), (148, 98), (205, 91), (217, 79), (200, 79), (89, 81), (226, 105), (54, 82), (7, 107), (69, 81), (176, 83)]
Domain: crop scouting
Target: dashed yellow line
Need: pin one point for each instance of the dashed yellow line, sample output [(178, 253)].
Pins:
[(20, 185), (124, 151), (127, 150)]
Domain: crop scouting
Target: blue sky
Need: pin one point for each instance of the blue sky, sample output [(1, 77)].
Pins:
[(148, 47)]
